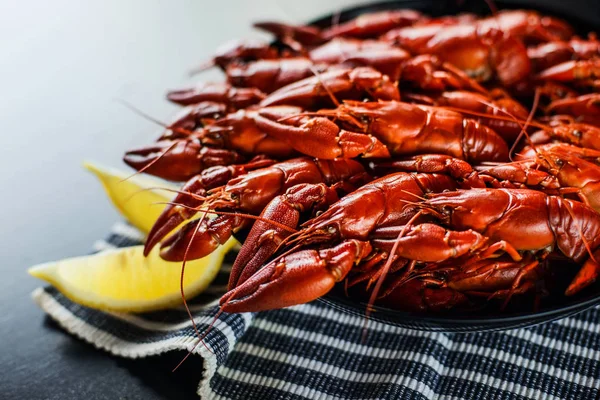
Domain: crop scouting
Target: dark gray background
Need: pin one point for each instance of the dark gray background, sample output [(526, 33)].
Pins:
[(63, 64)]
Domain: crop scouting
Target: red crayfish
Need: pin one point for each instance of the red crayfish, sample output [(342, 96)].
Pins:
[(428, 164)]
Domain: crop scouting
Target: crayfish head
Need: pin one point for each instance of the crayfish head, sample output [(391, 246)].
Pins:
[(582, 135), (248, 49), (353, 217), (369, 116), (311, 235), (172, 160), (552, 160)]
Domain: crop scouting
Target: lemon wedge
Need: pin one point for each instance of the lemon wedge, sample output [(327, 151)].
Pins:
[(132, 197), (124, 280)]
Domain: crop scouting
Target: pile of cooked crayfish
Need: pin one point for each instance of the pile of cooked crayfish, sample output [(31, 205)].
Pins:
[(420, 163)]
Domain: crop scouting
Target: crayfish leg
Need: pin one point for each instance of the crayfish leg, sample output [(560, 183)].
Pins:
[(585, 276)]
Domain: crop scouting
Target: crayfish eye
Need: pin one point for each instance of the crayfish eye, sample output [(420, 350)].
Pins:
[(577, 133), (559, 162), (234, 196), (331, 229), (447, 210)]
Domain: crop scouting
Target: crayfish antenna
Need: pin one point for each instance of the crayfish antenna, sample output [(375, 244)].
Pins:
[(215, 318), (149, 189), (145, 167), (493, 8), (423, 208), (232, 293), (323, 113), (185, 304), (302, 114), (299, 236), (141, 113), (384, 273), (289, 251), (510, 116), (327, 89), (536, 101), (413, 194), (210, 326), (331, 95), (206, 65), (209, 211), (148, 117), (201, 339), (335, 19), (523, 125)]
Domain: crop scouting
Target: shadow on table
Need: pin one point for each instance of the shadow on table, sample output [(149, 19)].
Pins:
[(154, 373)]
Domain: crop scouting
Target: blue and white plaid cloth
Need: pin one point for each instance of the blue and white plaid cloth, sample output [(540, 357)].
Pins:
[(313, 351)]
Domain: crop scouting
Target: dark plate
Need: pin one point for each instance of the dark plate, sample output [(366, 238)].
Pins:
[(583, 17), (464, 323)]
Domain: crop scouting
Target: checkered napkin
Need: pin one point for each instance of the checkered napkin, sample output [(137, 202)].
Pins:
[(314, 351)]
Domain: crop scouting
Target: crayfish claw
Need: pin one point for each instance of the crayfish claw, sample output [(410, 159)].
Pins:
[(191, 236), (167, 221), (295, 278), (199, 238), (265, 236)]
